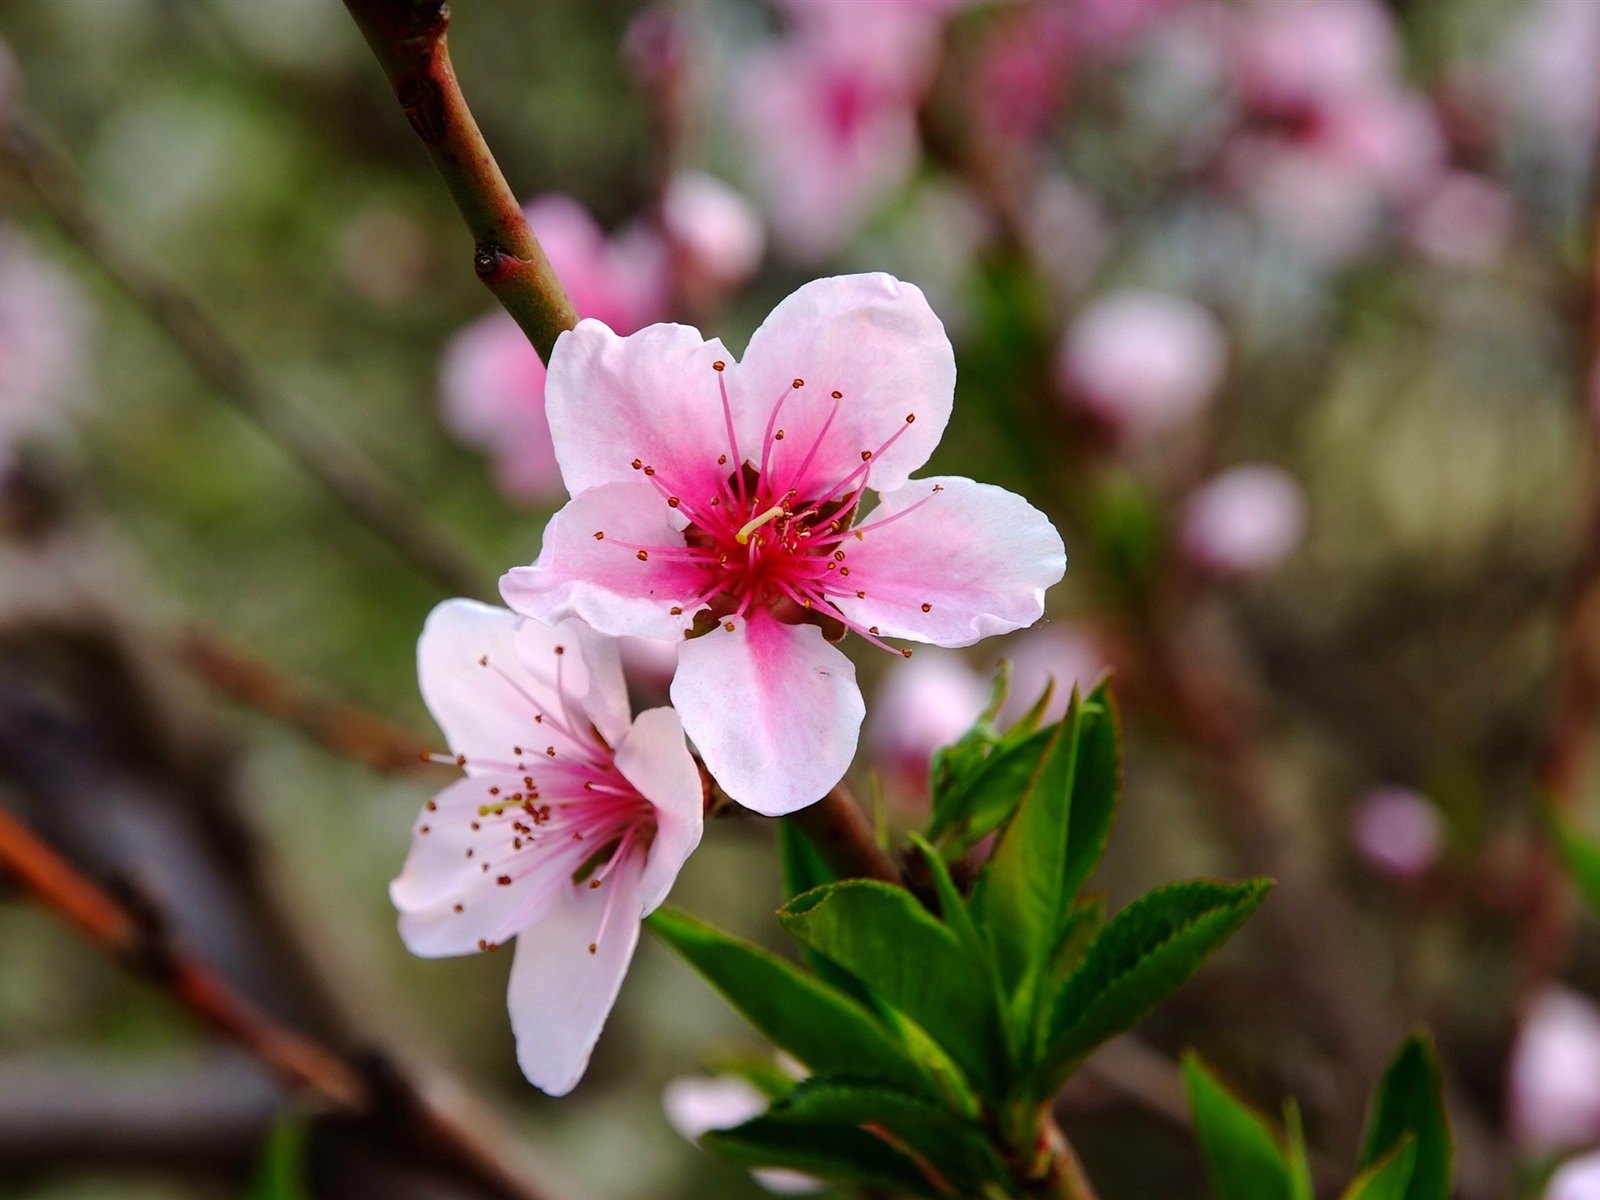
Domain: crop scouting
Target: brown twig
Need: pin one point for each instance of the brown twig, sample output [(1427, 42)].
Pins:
[(840, 831), (342, 727), (409, 38), (322, 1076), (335, 463)]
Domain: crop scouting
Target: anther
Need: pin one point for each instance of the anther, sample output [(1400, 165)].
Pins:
[(432, 806), (672, 502), (907, 653), (594, 883), (461, 760), (643, 556), (504, 880), (718, 365), (550, 750), (927, 608), (469, 851), (844, 570), (476, 827), (424, 829), (722, 461), (457, 907), (649, 470), (838, 556), (599, 535), (483, 660), (866, 454), (861, 595), (778, 437), (591, 944), (637, 464), (676, 611), (910, 417), (799, 383), (872, 629), (838, 395), (561, 649), (728, 625)]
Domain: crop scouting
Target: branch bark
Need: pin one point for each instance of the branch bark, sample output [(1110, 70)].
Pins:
[(409, 38), (331, 1081), (840, 831)]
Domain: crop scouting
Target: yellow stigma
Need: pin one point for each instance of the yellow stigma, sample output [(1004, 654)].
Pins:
[(755, 523)]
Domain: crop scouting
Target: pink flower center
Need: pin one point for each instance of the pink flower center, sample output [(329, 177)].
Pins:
[(761, 542), (555, 811)]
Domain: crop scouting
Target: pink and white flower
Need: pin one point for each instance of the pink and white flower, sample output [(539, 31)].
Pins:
[(724, 499), (714, 235), (1554, 1075), (492, 380), (570, 826), (830, 113), (927, 704)]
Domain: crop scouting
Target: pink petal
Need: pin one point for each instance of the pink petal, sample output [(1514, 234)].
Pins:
[(438, 875), (1578, 1179), (485, 680), (977, 557), (654, 758), (590, 672), (650, 397), (874, 340), (561, 993), (601, 580), (1553, 1076), (774, 710)]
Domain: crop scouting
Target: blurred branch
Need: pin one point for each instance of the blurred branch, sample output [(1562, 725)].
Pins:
[(341, 727), (409, 38), (335, 1082), (347, 474)]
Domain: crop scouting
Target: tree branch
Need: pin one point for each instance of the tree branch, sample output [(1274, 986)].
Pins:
[(409, 38), (839, 830), (332, 1081), (335, 463)]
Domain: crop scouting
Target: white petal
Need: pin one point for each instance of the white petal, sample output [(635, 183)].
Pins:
[(561, 993), (656, 760), (774, 710)]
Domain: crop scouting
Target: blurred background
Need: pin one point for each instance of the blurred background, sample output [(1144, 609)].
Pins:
[(1283, 310)]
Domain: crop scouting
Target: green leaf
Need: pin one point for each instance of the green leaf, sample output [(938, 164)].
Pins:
[(815, 1022), (1244, 1158), (899, 951), (836, 1151), (1389, 1178), (1300, 1183), (1582, 856), (803, 867), (958, 1150), (1024, 898), (1144, 954), (989, 792), (952, 906), (280, 1173), (1409, 1102)]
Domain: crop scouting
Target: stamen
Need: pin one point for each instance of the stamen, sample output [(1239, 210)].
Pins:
[(755, 523)]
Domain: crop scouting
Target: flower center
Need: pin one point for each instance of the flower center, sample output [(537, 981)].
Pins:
[(554, 811), (758, 543)]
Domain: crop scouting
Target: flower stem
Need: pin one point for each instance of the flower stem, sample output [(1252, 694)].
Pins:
[(1063, 1177), (839, 830), (409, 39)]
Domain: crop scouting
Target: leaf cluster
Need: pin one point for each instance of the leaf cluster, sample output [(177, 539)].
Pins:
[(936, 1028)]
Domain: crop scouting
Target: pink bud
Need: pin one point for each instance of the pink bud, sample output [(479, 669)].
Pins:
[(1465, 221), (1398, 833), (1294, 55), (43, 323), (1554, 1076), (1247, 519), (715, 234), (1578, 1179), (1142, 361)]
